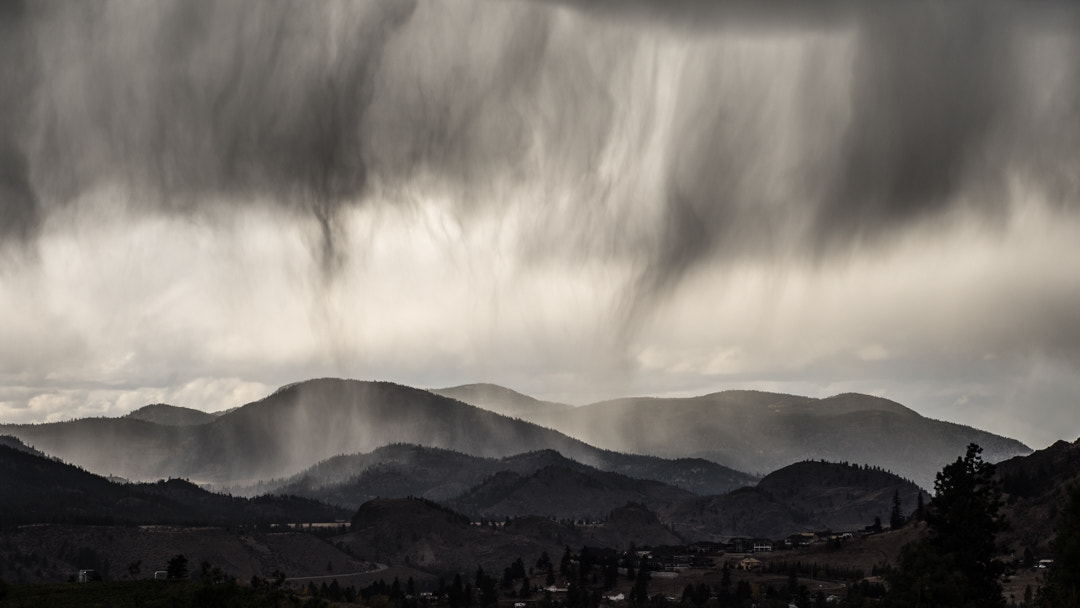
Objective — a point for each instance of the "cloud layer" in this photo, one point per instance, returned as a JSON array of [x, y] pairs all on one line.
[[579, 201]]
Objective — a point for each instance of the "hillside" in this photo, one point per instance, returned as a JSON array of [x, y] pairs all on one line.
[[1034, 489], [14, 443], [171, 415], [564, 492], [126, 447], [424, 535], [803, 497], [501, 400], [762, 432], [401, 470], [44, 490]]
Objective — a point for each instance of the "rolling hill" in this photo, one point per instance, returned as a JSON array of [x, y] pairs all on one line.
[[401, 470], [1035, 488], [430, 537], [38, 490], [563, 492], [803, 497]]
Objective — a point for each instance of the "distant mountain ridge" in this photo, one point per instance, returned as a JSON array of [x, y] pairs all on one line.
[[760, 432], [675, 440], [308, 422], [501, 400]]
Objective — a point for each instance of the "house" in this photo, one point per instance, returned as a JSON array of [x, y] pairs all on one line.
[[85, 576], [762, 544], [800, 540], [618, 597], [740, 545], [749, 563]]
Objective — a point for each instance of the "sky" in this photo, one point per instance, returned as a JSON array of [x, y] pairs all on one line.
[[202, 201]]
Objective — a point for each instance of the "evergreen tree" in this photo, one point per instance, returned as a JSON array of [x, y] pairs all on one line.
[[526, 589], [565, 563], [639, 593], [177, 567], [955, 565], [896, 518]]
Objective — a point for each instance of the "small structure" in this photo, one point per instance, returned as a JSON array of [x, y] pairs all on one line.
[[749, 563], [85, 576], [161, 574], [762, 544], [800, 540], [554, 589]]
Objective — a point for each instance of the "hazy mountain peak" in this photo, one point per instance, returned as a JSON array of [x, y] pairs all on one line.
[[500, 400], [171, 415]]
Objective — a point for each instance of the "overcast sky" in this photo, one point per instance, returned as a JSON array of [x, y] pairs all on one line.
[[201, 201]]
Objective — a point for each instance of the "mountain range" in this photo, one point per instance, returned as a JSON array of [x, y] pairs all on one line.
[[676, 441], [760, 432], [547, 501]]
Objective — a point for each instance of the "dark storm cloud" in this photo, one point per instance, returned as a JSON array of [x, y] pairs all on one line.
[[192, 101], [19, 213], [308, 104], [931, 83], [940, 100]]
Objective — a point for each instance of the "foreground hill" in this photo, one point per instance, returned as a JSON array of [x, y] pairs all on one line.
[[38, 490], [433, 538], [401, 470], [804, 497], [762, 432], [563, 491], [1035, 488]]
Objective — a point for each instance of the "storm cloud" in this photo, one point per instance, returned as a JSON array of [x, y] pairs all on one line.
[[558, 172]]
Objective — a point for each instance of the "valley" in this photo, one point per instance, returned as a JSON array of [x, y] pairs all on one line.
[[457, 487]]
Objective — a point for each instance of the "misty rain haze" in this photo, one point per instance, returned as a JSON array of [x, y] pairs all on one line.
[[202, 201]]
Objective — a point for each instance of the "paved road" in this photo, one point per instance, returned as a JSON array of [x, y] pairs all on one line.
[[378, 568]]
